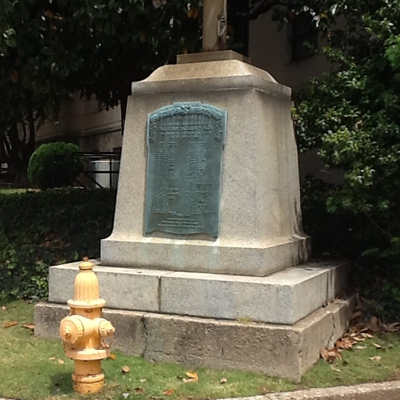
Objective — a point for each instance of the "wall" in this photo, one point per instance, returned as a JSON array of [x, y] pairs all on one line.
[[271, 50], [83, 122]]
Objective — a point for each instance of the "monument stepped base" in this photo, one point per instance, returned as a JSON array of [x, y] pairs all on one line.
[[285, 351], [275, 324], [284, 297]]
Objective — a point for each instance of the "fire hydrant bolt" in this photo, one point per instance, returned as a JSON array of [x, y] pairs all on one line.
[[83, 330]]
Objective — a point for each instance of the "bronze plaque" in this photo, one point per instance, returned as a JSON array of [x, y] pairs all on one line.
[[185, 142]]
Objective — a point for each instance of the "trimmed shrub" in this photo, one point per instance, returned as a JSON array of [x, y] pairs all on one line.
[[55, 165], [39, 229]]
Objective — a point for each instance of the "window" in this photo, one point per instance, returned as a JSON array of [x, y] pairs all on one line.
[[304, 38]]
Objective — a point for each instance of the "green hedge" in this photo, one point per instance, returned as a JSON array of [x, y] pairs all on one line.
[[39, 229]]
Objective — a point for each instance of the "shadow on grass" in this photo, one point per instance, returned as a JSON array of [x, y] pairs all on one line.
[[61, 383]]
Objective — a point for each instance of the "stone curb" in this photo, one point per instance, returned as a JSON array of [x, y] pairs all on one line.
[[368, 391]]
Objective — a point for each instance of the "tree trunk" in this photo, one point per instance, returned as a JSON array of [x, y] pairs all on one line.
[[17, 147]]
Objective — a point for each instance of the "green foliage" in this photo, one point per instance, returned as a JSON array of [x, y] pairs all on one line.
[[352, 114], [51, 49], [332, 234], [55, 165], [39, 229]]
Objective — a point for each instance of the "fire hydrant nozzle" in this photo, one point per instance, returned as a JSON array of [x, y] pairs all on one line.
[[84, 330]]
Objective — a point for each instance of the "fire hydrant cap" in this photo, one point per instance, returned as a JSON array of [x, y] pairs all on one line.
[[86, 265], [71, 329]]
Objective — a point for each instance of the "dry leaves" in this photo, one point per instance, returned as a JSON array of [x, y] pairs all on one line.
[[393, 327], [360, 330], [336, 369], [378, 346], [192, 377], [345, 343], [58, 360], [223, 381], [330, 355], [359, 347], [29, 326], [112, 356], [125, 369], [168, 392], [139, 390], [376, 358], [9, 324]]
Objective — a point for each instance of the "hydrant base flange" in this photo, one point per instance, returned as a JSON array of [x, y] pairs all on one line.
[[85, 384]]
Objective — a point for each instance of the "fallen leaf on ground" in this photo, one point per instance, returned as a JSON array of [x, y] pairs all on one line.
[[168, 392], [330, 355], [376, 358], [126, 395], [374, 324], [113, 385], [142, 380], [139, 390], [192, 377], [125, 369], [378, 346], [223, 380], [356, 314], [366, 335], [61, 361], [112, 356], [29, 326], [52, 358], [359, 347], [345, 343], [393, 327], [336, 369], [9, 324]]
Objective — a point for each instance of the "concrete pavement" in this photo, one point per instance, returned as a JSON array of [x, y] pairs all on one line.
[[368, 391]]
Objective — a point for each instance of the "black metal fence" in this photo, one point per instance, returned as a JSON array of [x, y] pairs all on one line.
[[100, 170]]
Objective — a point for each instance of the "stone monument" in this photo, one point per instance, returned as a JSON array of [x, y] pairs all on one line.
[[207, 263]]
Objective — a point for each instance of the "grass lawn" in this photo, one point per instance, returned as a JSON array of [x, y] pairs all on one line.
[[33, 368], [12, 190]]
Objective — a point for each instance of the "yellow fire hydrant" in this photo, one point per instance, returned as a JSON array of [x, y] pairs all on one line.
[[84, 332]]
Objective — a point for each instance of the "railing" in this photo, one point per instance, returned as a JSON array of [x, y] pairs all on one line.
[[6, 175], [100, 170]]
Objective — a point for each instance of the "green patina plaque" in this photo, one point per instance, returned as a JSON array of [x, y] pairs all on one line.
[[185, 143]]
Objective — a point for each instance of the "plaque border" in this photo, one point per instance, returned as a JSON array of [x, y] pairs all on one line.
[[184, 108]]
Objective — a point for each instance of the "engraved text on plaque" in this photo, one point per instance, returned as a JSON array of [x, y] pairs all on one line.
[[185, 142]]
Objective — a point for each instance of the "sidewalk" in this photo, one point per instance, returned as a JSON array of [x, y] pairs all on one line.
[[368, 391]]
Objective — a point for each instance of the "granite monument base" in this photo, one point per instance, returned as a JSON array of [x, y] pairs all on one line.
[[275, 324], [285, 351]]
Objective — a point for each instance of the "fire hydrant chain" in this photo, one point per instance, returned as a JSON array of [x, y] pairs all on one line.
[[87, 337]]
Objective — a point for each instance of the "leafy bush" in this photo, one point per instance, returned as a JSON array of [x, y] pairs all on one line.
[[333, 234], [39, 229], [352, 116], [55, 165]]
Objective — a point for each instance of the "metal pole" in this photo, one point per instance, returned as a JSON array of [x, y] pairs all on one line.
[[214, 25]]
